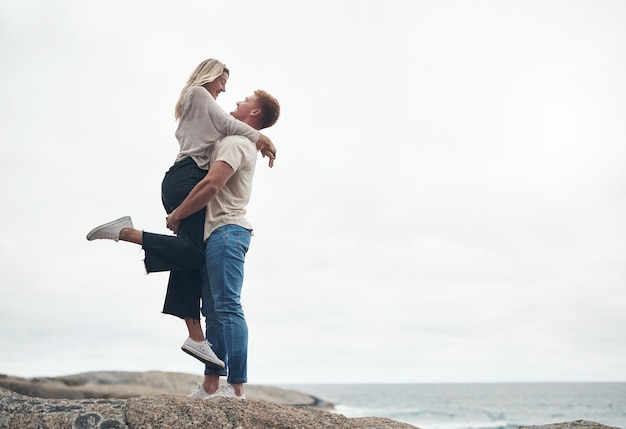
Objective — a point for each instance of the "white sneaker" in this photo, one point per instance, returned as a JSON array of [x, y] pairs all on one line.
[[199, 393], [202, 351], [227, 391], [111, 230]]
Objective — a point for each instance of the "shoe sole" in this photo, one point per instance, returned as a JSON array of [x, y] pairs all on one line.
[[211, 362], [241, 398], [106, 225]]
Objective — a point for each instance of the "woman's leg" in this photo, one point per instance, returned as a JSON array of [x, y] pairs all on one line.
[[131, 235], [185, 251], [183, 291], [182, 255]]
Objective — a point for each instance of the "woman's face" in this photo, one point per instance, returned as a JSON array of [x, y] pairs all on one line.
[[217, 86]]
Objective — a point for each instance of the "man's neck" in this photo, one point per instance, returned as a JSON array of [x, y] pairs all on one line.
[[252, 123]]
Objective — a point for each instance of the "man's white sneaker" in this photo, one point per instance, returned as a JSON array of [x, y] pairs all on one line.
[[111, 230], [227, 391], [202, 351], [199, 393]]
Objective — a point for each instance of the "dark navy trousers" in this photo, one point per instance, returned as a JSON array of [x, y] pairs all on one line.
[[183, 254]]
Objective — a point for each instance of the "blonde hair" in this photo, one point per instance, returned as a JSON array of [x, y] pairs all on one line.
[[207, 71], [270, 109]]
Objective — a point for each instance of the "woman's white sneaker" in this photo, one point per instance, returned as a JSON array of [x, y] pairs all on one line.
[[111, 230], [202, 351]]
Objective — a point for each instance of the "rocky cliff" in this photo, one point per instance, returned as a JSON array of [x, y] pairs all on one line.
[[176, 412], [124, 385], [171, 412], [155, 400]]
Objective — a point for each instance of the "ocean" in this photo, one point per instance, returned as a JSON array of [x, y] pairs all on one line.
[[477, 406]]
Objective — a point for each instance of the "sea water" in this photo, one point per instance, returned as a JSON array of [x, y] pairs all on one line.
[[476, 406]]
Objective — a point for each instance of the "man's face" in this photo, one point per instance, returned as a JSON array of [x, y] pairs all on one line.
[[245, 107]]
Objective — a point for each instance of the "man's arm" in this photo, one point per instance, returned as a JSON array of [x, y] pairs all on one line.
[[201, 194]]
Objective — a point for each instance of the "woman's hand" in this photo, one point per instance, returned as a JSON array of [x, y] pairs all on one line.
[[267, 148]]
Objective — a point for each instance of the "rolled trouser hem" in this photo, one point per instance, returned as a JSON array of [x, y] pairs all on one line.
[[237, 380], [213, 371]]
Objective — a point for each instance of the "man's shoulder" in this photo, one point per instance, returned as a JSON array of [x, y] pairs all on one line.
[[236, 140], [237, 151], [233, 145]]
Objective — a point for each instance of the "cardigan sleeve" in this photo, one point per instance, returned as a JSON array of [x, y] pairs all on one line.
[[226, 124]]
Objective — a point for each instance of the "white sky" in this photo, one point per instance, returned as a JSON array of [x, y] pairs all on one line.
[[448, 204]]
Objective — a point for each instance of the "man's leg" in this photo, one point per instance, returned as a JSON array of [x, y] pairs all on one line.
[[211, 383], [225, 255]]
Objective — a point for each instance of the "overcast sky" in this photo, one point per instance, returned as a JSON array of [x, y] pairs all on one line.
[[448, 202]]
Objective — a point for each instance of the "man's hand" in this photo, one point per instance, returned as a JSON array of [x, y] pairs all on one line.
[[267, 148], [172, 222], [219, 173]]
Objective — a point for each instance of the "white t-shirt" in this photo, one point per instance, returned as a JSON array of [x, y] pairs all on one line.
[[202, 123], [228, 207]]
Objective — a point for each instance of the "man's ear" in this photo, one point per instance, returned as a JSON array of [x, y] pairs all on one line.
[[255, 112]]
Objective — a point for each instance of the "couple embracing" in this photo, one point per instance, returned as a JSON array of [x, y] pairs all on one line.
[[205, 194]]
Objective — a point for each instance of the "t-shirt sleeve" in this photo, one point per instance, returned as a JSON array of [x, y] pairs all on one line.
[[233, 151]]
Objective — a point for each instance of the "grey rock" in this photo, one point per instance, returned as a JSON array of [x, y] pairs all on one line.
[[124, 385], [18, 411], [171, 411], [576, 424], [154, 400]]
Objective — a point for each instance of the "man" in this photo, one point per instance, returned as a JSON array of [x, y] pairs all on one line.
[[225, 191]]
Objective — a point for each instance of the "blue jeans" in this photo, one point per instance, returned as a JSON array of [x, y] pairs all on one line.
[[226, 327]]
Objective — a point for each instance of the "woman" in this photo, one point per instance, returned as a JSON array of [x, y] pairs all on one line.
[[201, 123]]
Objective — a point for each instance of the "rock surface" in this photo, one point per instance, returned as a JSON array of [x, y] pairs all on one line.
[[577, 424], [124, 385], [171, 411], [177, 412], [154, 400]]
